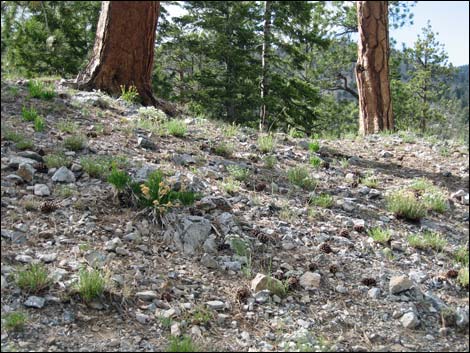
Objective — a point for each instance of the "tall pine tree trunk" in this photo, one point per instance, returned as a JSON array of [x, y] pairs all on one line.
[[124, 49], [263, 116], [372, 72]]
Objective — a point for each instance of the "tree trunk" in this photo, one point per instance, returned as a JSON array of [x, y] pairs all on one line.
[[124, 49], [372, 73], [263, 115]]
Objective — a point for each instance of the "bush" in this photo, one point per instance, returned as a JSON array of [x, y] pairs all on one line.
[[463, 277], [224, 149], [95, 167], [435, 201], [130, 94], [269, 161], [314, 146], [33, 279], [39, 124], [119, 179], [405, 205], [239, 173], [181, 344], [316, 162], [29, 114], [57, 160], [427, 240]]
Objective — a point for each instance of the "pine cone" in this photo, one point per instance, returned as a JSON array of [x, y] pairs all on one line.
[[370, 282], [41, 168], [326, 248], [452, 274], [333, 269], [260, 186], [344, 233], [312, 266], [48, 207], [293, 282], [359, 228], [242, 294]]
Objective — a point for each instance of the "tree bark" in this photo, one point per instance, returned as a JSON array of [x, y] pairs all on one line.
[[263, 115], [372, 71], [124, 49]]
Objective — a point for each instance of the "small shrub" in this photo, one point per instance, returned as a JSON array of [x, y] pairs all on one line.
[[380, 235], [64, 191], [287, 214], [130, 94], [119, 179], [39, 124], [422, 184], [405, 205], [201, 316], [240, 247], [152, 114], [37, 89], [166, 322], [68, 126], [14, 321], [56, 160], [344, 163], [75, 142], [427, 240], [230, 185], [294, 133], [461, 256], [370, 181], [416, 241], [230, 130], [316, 162], [463, 276], [224, 149], [267, 143], [91, 284], [444, 152], [181, 344], [176, 128], [95, 167], [436, 201], [29, 114], [322, 200], [314, 146], [239, 173], [300, 176], [270, 161], [10, 135], [24, 145], [33, 279]]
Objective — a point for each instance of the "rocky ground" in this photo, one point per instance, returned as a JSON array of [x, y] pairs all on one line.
[[202, 273]]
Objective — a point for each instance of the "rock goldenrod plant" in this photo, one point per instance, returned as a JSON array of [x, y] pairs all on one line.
[[129, 94]]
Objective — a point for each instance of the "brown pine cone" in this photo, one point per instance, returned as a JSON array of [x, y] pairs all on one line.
[[242, 294], [293, 282], [48, 207], [370, 282], [452, 274], [326, 248], [344, 233]]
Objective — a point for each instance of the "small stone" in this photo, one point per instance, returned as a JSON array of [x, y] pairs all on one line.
[[112, 244], [385, 154], [444, 331], [76, 167], [216, 304], [341, 289], [399, 284], [63, 175], [24, 258], [142, 318], [4, 283], [462, 317], [30, 154], [35, 302], [26, 171], [41, 190], [310, 280], [122, 251], [233, 266], [262, 281], [15, 161], [47, 258], [170, 313], [409, 320], [196, 331], [262, 296], [147, 295], [374, 293], [146, 143], [209, 261]]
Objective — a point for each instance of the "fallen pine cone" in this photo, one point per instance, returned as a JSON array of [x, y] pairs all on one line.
[[370, 282]]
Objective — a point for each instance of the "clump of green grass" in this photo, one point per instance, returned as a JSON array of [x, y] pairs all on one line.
[[33, 279], [239, 173], [230, 185], [269, 161], [230, 130], [266, 143], [314, 146], [300, 176], [24, 145], [427, 240], [444, 152], [344, 163], [119, 179], [224, 149], [68, 126], [240, 247], [370, 180], [380, 235], [75, 142], [461, 256], [462, 278], [176, 128], [130, 94], [316, 162], [294, 133], [64, 191], [435, 201], [405, 205], [94, 166], [201, 316], [11, 135], [37, 89], [56, 160], [29, 114], [322, 200], [39, 124], [422, 185], [14, 321], [181, 344], [287, 214], [151, 114], [91, 284], [166, 322]]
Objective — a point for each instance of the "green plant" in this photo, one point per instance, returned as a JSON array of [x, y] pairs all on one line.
[[33, 279], [176, 128], [64, 191], [14, 321], [130, 94], [230, 130], [322, 200], [416, 241], [294, 133], [239, 173], [422, 185], [230, 185], [369, 180], [181, 344], [39, 124], [269, 161], [427, 240], [166, 322], [461, 256], [435, 201], [29, 114], [344, 163], [300, 176], [240, 247], [201, 316], [37, 89], [10, 135], [266, 143], [444, 152], [314, 146], [287, 214], [405, 205], [56, 160], [380, 235], [224, 149], [119, 179], [91, 284], [67, 126], [463, 276], [75, 142], [24, 145], [316, 162], [94, 166], [151, 114]]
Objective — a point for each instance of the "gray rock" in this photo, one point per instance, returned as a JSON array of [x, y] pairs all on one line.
[[262, 297], [47, 258], [63, 175], [209, 261], [374, 194], [410, 320], [210, 203], [41, 190], [399, 284], [24, 258], [35, 302], [112, 244], [226, 222], [385, 154], [310, 280], [147, 295], [143, 173], [233, 266], [15, 161], [216, 304], [261, 282], [341, 289], [191, 233], [30, 155], [183, 159], [462, 317], [175, 330], [122, 251], [210, 246], [14, 236], [15, 178], [26, 171], [142, 318], [96, 258], [4, 283], [374, 293]]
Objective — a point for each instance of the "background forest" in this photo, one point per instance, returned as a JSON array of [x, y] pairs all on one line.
[[209, 60]]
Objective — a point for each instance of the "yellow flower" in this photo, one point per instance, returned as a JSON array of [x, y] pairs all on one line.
[[145, 189]]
